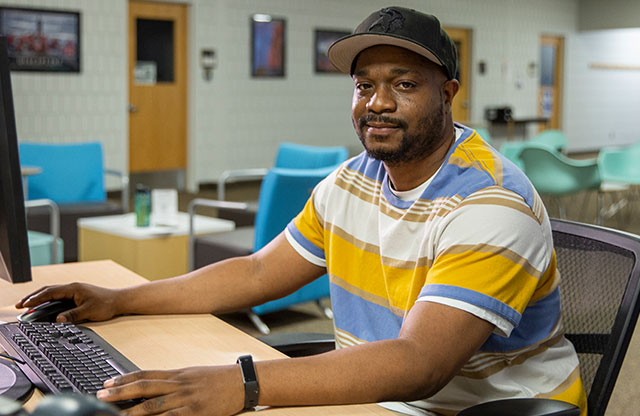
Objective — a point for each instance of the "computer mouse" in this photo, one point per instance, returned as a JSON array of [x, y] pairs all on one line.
[[70, 404], [47, 311]]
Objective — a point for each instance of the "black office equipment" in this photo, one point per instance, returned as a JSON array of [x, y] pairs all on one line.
[[63, 357], [47, 311], [13, 383], [15, 265], [600, 285]]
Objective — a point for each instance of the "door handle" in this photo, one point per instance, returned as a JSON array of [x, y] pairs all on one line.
[[133, 108]]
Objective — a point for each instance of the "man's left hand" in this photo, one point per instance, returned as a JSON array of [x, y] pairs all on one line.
[[187, 391]]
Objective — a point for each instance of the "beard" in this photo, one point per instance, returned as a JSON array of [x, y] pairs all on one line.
[[412, 147]]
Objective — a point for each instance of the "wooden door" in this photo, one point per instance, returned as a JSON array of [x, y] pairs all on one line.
[[462, 39], [549, 91], [157, 87]]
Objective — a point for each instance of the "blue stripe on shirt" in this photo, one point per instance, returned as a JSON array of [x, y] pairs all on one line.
[[475, 298], [361, 318], [538, 320], [302, 240]]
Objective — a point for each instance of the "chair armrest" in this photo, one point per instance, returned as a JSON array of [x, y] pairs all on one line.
[[234, 175], [300, 344], [124, 187], [54, 222], [211, 203], [522, 407]]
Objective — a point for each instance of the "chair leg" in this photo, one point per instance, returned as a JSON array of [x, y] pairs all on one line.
[[258, 323], [325, 309]]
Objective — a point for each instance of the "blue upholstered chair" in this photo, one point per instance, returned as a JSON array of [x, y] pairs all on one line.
[[73, 176], [289, 155], [283, 194]]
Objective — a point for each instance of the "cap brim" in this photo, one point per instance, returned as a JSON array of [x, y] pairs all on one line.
[[344, 51]]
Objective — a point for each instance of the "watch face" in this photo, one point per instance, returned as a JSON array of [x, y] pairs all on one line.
[[248, 371], [250, 380]]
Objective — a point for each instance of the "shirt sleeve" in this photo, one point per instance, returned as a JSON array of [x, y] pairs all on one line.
[[306, 232], [492, 253]]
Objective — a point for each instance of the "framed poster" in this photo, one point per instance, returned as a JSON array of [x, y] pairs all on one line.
[[267, 46], [322, 40], [41, 40]]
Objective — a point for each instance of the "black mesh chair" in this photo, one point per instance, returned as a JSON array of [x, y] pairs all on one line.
[[600, 279]]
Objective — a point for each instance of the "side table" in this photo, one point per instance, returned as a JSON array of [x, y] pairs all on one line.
[[155, 252]]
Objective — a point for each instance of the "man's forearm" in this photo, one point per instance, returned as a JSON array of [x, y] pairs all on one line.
[[380, 371], [225, 286], [219, 287]]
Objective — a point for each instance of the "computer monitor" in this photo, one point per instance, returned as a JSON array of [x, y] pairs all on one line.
[[15, 265]]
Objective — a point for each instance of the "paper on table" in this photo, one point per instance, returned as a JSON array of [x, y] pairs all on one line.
[[164, 207]]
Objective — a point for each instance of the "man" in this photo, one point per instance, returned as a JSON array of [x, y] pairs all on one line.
[[439, 251]]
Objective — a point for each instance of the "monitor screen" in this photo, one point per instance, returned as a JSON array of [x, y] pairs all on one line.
[[15, 265]]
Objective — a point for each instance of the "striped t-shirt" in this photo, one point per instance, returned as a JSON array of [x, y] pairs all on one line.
[[478, 239]]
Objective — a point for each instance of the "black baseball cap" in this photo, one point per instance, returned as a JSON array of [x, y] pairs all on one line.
[[397, 26]]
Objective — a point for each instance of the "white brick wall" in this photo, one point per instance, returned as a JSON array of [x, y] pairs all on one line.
[[86, 106], [236, 121], [602, 105]]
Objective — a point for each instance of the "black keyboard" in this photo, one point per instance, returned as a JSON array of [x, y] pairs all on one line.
[[63, 357]]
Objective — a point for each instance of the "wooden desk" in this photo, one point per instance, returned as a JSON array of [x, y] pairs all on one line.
[[161, 342]]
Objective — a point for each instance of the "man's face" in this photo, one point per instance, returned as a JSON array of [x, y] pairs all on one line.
[[398, 107]]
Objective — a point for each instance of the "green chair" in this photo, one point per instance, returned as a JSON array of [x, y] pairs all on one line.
[[620, 171], [553, 138], [511, 150], [484, 133], [556, 175], [620, 165]]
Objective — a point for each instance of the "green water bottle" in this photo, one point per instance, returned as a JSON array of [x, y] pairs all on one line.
[[142, 205]]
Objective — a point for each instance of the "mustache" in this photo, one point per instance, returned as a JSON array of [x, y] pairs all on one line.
[[362, 121]]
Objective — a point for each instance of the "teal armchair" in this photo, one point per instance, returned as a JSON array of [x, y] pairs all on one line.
[[556, 175]]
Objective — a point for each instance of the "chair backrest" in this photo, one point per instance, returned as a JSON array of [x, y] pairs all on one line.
[[620, 164], [300, 156], [600, 282], [553, 138], [511, 150], [70, 172], [555, 174], [283, 194]]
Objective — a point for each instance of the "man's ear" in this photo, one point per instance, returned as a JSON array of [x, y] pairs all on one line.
[[450, 89]]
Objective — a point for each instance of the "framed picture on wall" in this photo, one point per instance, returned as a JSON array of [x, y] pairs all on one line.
[[41, 40], [267, 46], [323, 38]]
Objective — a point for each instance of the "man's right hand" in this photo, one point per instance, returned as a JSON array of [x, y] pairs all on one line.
[[93, 303]]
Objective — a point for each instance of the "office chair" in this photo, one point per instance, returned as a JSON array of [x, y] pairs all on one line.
[[553, 138], [45, 248], [73, 177], [620, 172], [283, 194], [511, 150], [289, 155], [556, 175], [600, 284]]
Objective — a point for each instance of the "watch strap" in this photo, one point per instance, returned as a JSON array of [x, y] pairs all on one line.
[[250, 381]]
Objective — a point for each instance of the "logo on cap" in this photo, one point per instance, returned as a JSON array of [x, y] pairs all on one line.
[[390, 20]]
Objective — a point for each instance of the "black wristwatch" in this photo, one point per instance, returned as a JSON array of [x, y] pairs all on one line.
[[250, 381]]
